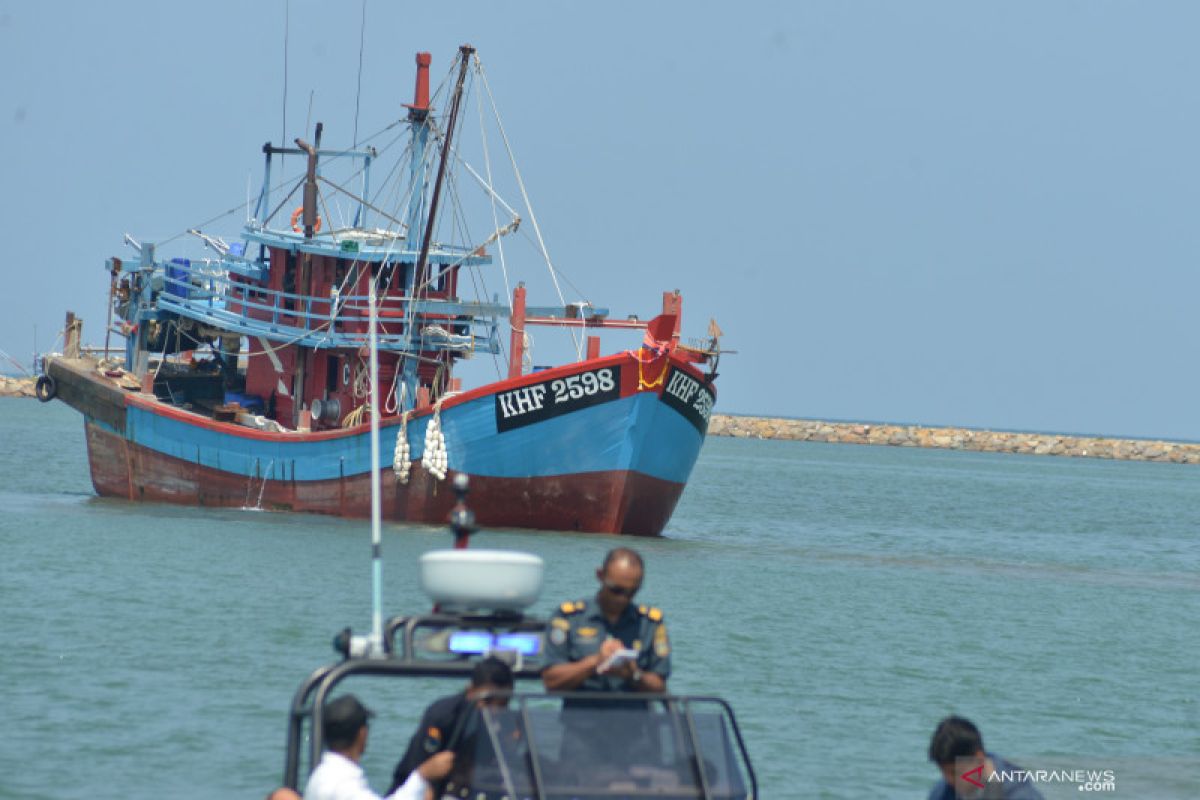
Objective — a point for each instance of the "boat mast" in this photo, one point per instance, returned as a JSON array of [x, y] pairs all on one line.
[[466, 51], [310, 182], [418, 117], [304, 284], [418, 114]]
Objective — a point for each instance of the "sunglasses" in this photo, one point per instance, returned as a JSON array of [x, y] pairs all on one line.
[[621, 591]]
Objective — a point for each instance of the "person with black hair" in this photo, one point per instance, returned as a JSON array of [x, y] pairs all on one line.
[[338, 776], [448, 724], [584, 636], [969, 771]]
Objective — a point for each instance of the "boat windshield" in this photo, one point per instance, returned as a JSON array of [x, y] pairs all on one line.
[[583, 747]]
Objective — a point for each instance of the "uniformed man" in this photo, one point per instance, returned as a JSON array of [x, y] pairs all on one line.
[[583, 634], [449, 725]]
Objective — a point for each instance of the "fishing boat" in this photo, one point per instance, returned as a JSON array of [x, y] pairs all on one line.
[[243, 377]]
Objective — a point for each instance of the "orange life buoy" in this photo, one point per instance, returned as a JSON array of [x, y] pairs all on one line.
[[297, 227]]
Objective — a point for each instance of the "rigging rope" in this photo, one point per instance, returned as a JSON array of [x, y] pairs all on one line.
[[525, 196], [287, 15], [299, 177], [487, 164], [354, 418]]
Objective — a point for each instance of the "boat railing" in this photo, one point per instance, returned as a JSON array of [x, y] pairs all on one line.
[[674, 746], [220, 299], [375, 246], [229, 293], [559, 745]]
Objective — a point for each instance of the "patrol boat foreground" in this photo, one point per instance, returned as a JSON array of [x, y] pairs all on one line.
[[242, 381], [570, 746]]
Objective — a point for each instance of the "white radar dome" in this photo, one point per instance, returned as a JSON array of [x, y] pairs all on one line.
[[495, 580]]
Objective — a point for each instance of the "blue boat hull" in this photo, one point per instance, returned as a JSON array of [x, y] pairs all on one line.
[[613, 462]]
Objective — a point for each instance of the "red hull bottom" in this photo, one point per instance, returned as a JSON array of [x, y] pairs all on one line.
[[599, 502]]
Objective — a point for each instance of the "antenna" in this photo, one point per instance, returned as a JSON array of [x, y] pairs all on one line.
[[362, 40], [371, 645], [287, 9], [376, 640]]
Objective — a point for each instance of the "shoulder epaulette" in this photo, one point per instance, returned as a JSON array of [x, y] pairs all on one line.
[[570, 607], [651, 613]]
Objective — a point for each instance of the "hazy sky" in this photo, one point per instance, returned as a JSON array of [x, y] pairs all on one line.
[[939, 212]]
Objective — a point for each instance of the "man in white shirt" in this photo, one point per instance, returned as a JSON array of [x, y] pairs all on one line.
[[339, 777]]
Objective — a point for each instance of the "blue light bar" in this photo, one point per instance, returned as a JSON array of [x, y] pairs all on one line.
[[527, 644], [479, 642], [470, 642]]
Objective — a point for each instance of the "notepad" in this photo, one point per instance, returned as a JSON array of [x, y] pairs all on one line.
[[617, 658]]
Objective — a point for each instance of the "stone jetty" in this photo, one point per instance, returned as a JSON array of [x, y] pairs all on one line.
[[16, 387], [1049, 444]]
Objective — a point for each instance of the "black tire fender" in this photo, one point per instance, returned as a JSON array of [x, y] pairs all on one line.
[[46, 388]]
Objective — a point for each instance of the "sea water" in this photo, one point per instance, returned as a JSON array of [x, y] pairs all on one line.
[[842, 598]]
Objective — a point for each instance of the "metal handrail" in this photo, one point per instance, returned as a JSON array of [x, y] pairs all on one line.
[[243, 295], [228, 301], [309, 702]]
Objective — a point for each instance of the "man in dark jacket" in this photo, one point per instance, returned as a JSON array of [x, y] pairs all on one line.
[[969, 771], [449, 722]]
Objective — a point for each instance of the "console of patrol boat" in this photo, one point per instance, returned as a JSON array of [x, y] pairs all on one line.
[[549, 746]]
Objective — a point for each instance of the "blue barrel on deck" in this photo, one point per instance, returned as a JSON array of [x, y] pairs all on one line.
[[179, 276], [250, 402]]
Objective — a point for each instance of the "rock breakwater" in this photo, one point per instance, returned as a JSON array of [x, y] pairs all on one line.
[[16, 387], [807, 430]]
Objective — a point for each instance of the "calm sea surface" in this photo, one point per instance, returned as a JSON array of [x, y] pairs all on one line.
[[842, 598]]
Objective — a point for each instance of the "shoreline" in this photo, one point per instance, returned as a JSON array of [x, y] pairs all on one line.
[[954, 438], [890, 435]]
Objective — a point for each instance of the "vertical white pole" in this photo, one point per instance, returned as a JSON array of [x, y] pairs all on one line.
[[376, 535]]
